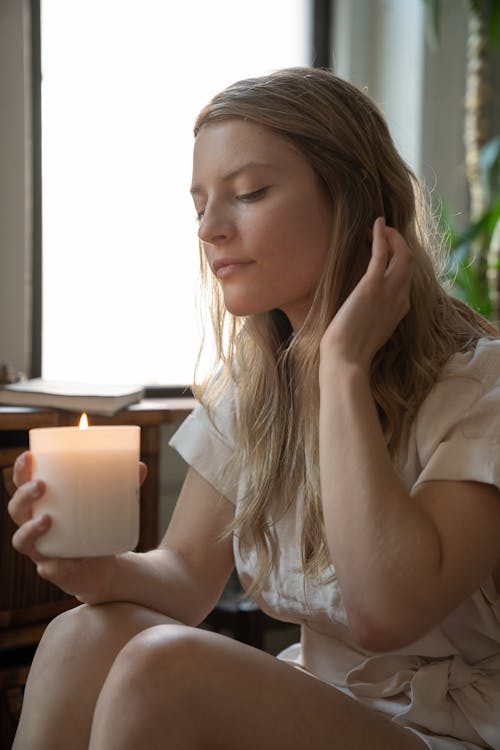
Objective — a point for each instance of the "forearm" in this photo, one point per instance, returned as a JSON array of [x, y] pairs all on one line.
[[385, 549], [161, 580]]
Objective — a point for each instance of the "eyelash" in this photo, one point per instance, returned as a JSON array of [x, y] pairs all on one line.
[[253, 196], [245, 198]]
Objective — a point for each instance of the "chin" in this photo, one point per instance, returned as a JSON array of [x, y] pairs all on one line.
[[243, 313], [241, 310]]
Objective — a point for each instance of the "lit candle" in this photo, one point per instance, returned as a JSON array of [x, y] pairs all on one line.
[[92, 478]]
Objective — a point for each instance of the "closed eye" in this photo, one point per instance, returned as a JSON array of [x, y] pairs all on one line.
[[254, 196]]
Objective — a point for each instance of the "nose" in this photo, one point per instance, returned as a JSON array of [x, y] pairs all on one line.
[[215, 226]]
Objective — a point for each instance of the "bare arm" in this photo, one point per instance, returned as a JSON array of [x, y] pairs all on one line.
[[183, 578], [402, 562]]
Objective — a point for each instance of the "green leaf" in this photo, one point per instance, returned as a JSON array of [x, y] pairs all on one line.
[[472, 232], [469, 287], [432, 22], [489, 167], [494, 23]]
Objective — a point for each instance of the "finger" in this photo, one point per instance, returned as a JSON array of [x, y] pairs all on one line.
[[381, 251], [401, 260], [57, 569], [143, 472], [399, 271], [23, 467], [25, 538], [20, 507], [397, 243]]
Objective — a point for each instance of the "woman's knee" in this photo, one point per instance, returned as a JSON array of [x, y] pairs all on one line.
[[163, 647], [89, 630], [150, 692], [165, 660], [64, 629], [82, 623]]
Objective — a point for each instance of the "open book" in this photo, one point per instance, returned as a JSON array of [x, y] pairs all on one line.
[[78, 397]]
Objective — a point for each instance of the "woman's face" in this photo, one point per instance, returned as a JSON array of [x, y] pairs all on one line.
[[264, 220]]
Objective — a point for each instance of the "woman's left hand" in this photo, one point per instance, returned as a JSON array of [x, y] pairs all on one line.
[[376, 305]]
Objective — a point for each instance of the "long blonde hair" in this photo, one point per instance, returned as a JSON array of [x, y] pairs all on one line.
[[345, 139]]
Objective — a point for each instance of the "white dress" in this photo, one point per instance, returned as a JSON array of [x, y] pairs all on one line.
[[445, 687]]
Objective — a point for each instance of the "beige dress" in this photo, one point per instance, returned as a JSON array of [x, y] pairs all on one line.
[[445, 687]]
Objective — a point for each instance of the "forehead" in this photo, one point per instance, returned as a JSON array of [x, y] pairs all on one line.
[[220, 147]]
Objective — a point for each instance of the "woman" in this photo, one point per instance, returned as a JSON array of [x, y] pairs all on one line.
[[344, 456]]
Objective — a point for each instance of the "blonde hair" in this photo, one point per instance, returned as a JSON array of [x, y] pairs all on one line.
[[345, 139]]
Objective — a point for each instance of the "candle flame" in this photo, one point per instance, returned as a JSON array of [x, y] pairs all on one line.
[[84, 422]]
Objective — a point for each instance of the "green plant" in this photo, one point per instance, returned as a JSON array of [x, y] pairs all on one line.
[[474, 261], [473, 265]]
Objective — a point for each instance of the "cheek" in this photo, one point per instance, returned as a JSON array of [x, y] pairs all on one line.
[[294, 237], [306, 238]]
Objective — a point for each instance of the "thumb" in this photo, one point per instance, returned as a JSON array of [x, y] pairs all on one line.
[[143, 472]]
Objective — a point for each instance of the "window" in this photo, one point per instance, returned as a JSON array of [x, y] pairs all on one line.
[[122, 82]]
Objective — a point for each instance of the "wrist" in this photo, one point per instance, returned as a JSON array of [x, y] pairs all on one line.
[[105, 570], [342, 372], [117, 577]]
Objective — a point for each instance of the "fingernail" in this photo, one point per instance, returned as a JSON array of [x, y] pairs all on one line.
[[36, 490], [43, 522]]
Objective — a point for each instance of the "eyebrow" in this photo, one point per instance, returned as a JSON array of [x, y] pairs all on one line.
[[196, 189]]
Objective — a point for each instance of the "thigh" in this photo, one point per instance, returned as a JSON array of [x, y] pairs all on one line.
[[183, 688], [88, 638], [70, 666]]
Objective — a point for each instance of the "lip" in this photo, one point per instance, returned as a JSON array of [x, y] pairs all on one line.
[[224, 267]]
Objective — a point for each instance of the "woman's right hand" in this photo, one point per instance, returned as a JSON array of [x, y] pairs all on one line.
[[374, 308], [86, 578]]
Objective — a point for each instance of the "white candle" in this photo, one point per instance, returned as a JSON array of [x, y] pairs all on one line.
[[92, 478]]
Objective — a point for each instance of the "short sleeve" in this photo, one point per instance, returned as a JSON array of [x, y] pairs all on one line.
[[207, 445], [458, 424]]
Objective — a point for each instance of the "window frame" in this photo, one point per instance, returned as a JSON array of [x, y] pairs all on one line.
[[320, 56]]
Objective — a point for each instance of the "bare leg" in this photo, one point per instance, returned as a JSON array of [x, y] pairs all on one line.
[[177, 688], [69, 668]]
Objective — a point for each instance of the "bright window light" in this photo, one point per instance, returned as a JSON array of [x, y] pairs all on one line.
[[122, 81]]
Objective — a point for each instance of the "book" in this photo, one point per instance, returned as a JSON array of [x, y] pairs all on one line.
[[105, 400]]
